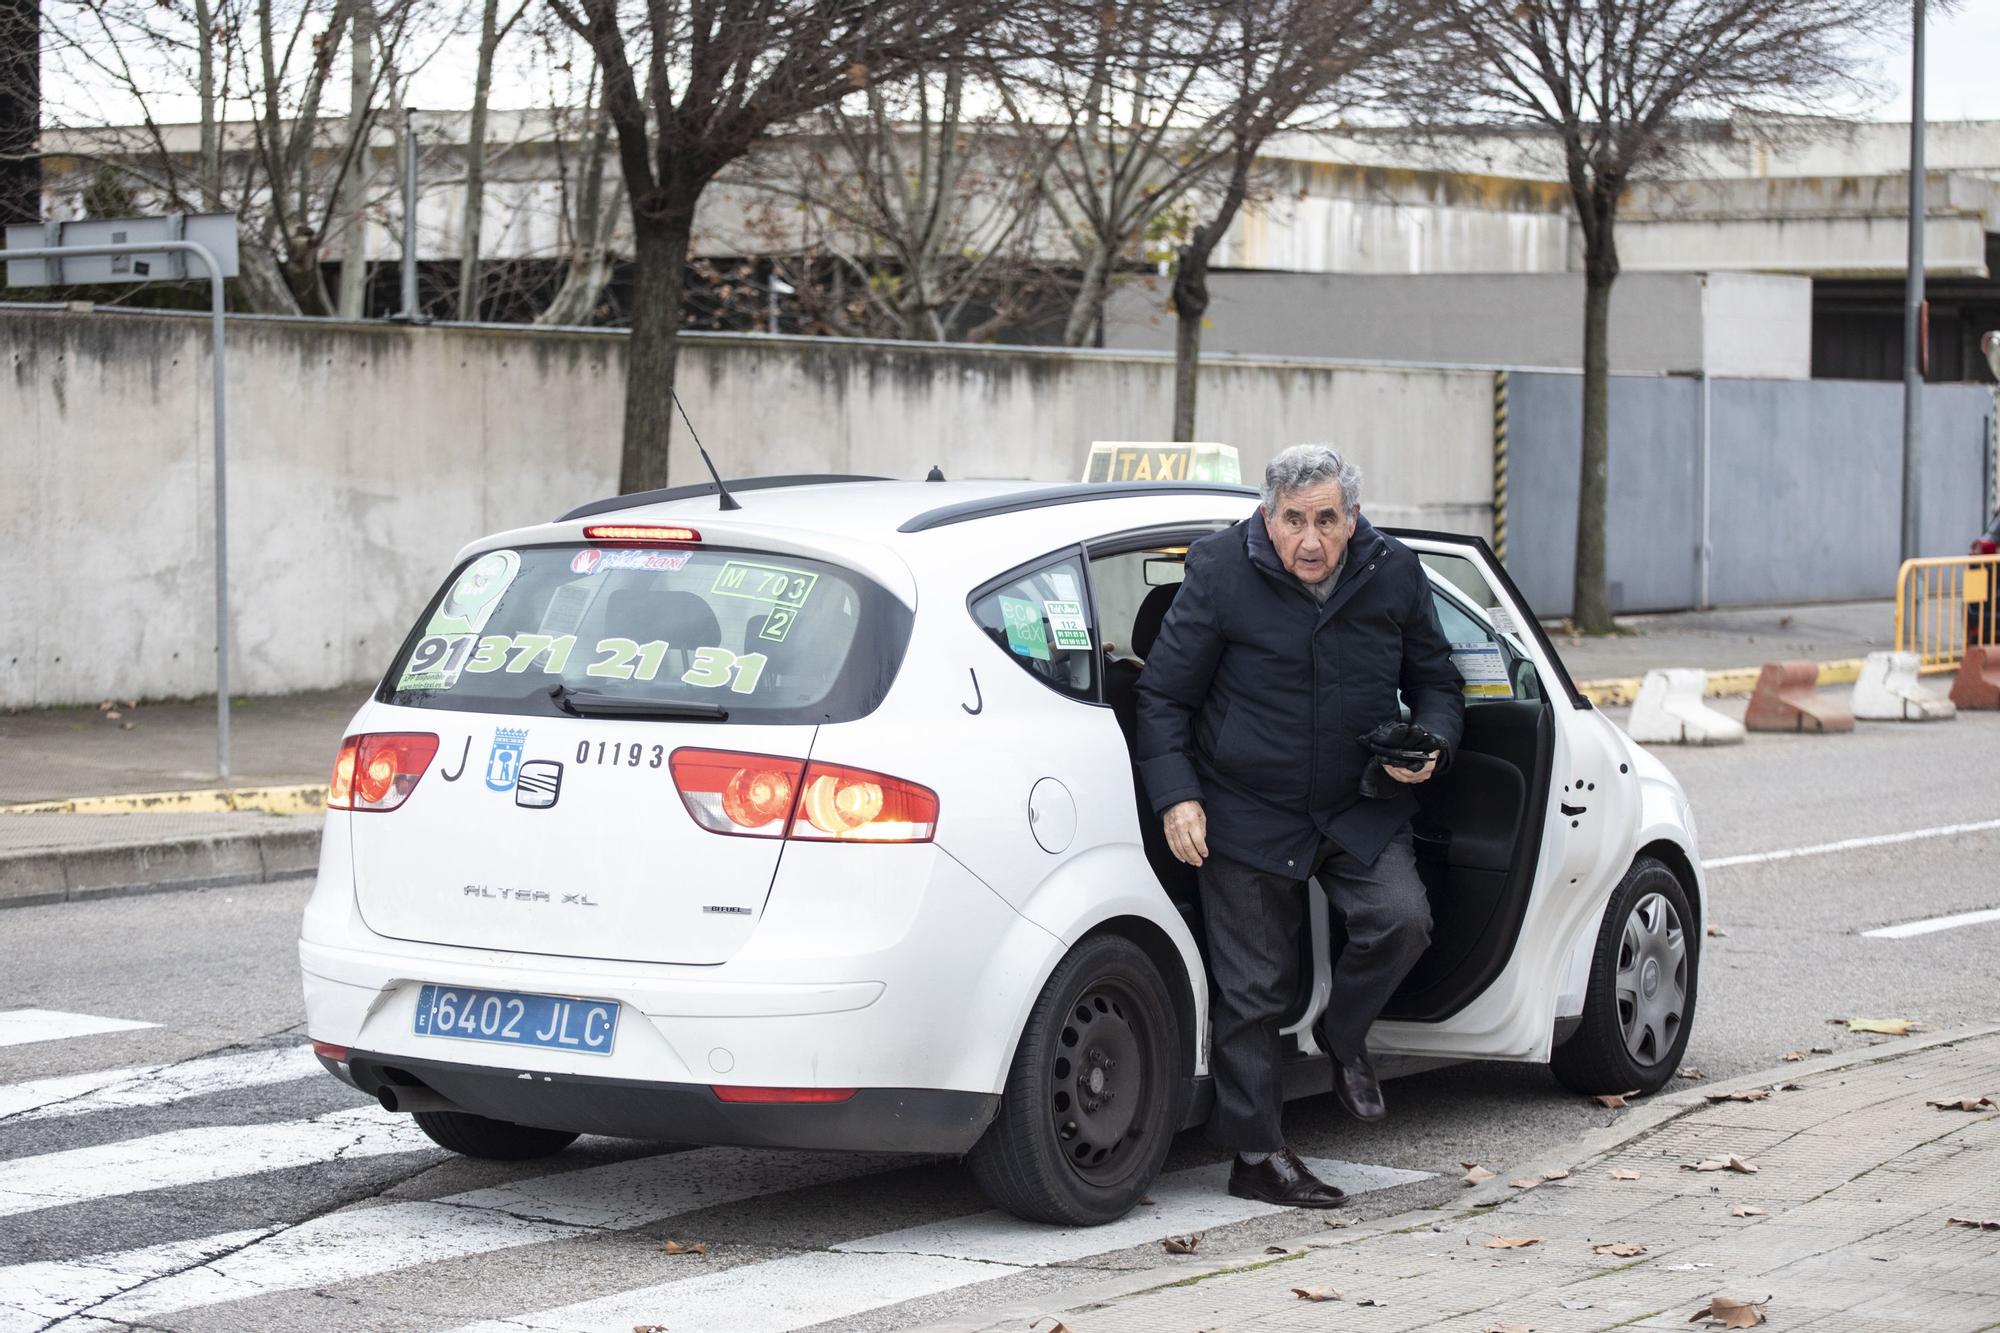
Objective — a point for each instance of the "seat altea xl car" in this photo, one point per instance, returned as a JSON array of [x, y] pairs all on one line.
[[812, 824]]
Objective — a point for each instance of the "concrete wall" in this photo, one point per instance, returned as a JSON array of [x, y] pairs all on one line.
[[1805, 498], [1738, 324], [362, 457]]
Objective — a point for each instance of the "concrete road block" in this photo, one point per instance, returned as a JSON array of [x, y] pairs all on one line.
[[1670, 710], [1887, 691], [1978, 683], [1786, 700]]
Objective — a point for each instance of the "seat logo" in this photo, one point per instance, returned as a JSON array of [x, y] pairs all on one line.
[[503, 764], [539, 784]]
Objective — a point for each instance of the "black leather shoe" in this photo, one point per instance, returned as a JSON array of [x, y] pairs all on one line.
[[1284, 1180], [1360, 1092]]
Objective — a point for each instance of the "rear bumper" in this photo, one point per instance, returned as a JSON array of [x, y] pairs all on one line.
[[912, 1120]]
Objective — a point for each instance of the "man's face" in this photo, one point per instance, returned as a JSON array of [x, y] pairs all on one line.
[[1310, 530]]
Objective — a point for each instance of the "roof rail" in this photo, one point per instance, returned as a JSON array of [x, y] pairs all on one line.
[[1074, 493], [695, 492]]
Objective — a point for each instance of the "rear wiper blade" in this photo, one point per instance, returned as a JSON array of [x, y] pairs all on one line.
[[585, 703]]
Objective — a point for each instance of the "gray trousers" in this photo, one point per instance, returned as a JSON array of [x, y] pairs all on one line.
[[1254, 920]]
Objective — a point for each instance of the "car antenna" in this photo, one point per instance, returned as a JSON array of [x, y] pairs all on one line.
[[728, 500]]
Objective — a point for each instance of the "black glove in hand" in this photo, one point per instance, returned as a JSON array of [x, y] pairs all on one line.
[[1404, 744]]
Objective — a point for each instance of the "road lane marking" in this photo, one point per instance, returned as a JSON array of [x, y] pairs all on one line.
[[367, 1242], [1930, 925], [199, 1156], [1852, 844], [855, 1276], [20, 1026], [153, 1085]]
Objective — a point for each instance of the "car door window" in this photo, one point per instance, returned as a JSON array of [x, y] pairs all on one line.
[[1041, 619], [1480, 632]]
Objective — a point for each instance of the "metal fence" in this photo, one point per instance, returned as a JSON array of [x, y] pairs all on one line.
[[1946, 604]]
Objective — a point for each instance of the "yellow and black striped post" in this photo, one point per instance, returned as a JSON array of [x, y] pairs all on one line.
[[1500, 464]]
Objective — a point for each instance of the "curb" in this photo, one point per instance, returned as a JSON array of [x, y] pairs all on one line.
[[1726, 682], [1638, 1122], [299, 799], [39, 879]]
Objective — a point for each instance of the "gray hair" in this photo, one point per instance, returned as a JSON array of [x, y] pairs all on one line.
[[1304, 465]]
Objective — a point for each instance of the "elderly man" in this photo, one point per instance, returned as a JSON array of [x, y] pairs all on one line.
[[1268, 723]]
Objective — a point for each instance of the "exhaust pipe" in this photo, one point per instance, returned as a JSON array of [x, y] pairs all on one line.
[[406, 1100]]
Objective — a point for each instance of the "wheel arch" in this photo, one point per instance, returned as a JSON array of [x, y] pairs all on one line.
[[1675, 857], [1173, 970]]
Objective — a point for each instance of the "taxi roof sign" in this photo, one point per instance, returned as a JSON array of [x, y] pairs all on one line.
[[1161, 460]]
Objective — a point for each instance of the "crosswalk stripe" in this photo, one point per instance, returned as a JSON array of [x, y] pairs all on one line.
[[366, 1242], [33, 1294], [801, 1290], [195, 1156], [20, 1026], [153, 1085]]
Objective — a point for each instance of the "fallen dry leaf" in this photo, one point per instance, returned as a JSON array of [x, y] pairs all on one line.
[[1512, 1242], [1731, 1313], [1478, 1175], [649, 1328], [1466, 1166], [1888, 1027], [1745, 1095], [675, 1247], [1717, 932], [1612, 1101], [1181, 1244], [1316, 1293], [1524, 1183], [1976, 1223], [1689, 1071], [1820, 1050], [1730, 1163], [1509, 1328], [1619, 1249], [1276, 1249], [1337, 1223], [1145, 1201], [1557, 1174], [1746, 1210], [1620, 1173], [1964, 1104], [1792, 1057], [1055, 1325]]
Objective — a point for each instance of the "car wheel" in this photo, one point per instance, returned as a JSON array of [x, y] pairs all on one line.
[[495, 1140], [1639, 1006], [1093, 1097]]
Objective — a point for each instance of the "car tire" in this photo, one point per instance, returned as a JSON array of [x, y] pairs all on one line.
[[495, 1140], [1063, 1149], [1639, 1005]]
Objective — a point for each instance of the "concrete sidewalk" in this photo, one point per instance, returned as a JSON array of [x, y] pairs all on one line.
[[1735, 641], [1839, 1219]]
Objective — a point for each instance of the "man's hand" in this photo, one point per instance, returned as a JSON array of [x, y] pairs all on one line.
[[1411, 776], [1187, 832]]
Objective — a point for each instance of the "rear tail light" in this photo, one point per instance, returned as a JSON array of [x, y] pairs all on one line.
[[1986, 546], [337, 1054], [781, 1096], [764, 796], [379, 770]]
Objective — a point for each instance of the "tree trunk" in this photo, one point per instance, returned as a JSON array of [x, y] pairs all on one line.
[[1190, 307], [1088, 308], [1591, 602], [475, 165], [210, 170], [352, 226], [663, 237], [20, 110]]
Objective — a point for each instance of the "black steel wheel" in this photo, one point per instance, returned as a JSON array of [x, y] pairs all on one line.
[[1639, 1007], [1093, 1096]]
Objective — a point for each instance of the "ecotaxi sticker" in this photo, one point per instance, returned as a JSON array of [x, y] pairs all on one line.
[[1067, 625], [594, 561], [1023, 621], [1483, 669]]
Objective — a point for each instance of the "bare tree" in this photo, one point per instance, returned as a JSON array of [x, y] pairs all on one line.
[[1618, 83], [591, 207], [492, 31], [1119, 103], [1277, 60], [20, 110], [718, 74]]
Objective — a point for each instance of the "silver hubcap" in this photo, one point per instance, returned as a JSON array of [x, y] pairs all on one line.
[[1652, 979]]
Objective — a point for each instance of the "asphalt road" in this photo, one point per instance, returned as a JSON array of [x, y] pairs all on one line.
[[244, 1190]]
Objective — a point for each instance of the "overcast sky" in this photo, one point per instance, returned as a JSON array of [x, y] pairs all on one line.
[[1962, 67]]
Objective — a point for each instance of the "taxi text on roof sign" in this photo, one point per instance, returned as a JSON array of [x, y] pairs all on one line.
[[1149, 460]]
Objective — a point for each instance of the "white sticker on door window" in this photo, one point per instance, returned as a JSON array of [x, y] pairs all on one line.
[[1483, 668], [1066, 625]]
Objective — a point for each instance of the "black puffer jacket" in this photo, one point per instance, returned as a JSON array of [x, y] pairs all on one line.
[[1255, 698]]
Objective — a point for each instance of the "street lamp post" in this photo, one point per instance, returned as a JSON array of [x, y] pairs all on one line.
[[1915, 327]]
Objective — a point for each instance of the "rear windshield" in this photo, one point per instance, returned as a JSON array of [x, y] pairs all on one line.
[[768, 638]]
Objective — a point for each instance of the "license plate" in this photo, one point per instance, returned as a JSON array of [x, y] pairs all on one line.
[[511, 1018]]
